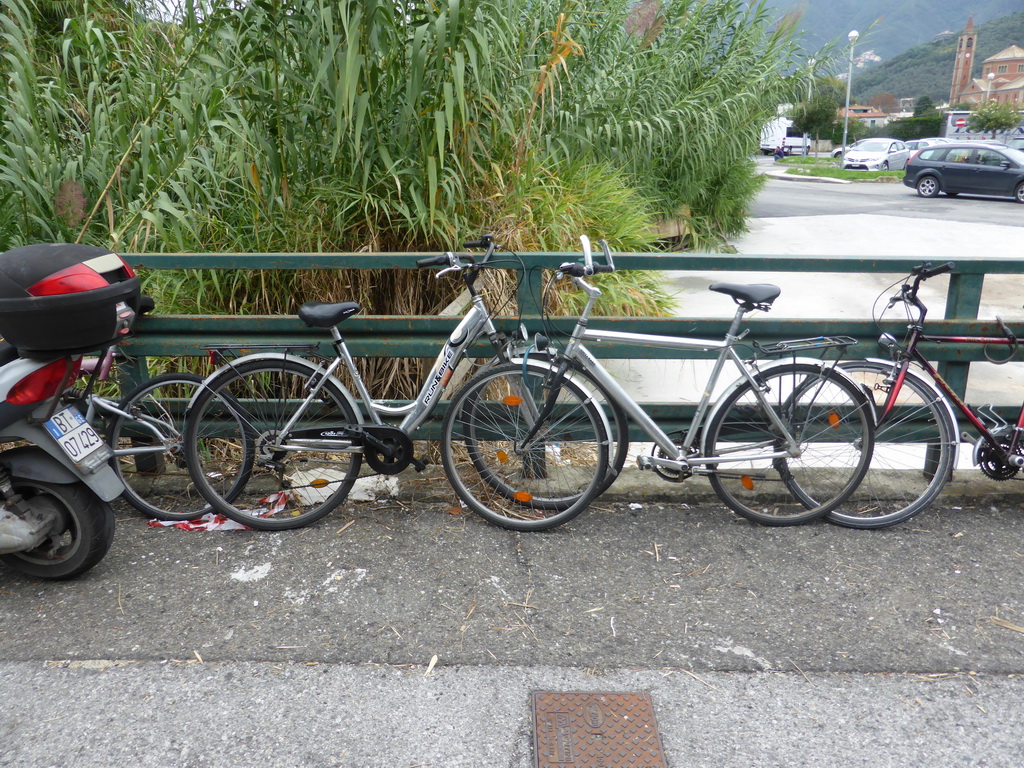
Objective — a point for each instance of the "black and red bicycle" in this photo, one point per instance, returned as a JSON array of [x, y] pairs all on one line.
[[917, 434]]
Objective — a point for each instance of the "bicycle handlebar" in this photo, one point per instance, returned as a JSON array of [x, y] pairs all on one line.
[[485, 241], [926, 270], [908, 292], [588, 267], [575, 269], [434, 261]]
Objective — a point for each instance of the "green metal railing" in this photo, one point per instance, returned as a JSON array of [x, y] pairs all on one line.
[[404, 336]]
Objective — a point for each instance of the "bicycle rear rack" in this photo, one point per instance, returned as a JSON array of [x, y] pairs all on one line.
[[805, 345]]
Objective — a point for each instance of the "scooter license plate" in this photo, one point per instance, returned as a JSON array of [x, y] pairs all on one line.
[[78, 439]]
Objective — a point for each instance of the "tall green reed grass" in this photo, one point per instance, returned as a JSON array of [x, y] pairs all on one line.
[[376, 125]]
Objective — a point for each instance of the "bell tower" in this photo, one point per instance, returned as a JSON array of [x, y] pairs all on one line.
[[964, 62]]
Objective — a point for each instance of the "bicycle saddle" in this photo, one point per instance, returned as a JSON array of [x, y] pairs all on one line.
[[755, 295], [319, 314]]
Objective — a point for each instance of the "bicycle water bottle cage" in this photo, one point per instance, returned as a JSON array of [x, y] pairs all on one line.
[[318, 314], [754, 296]]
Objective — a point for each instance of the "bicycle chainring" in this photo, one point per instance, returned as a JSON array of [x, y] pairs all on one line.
[[992, 464], [666, 473], [387, 450]]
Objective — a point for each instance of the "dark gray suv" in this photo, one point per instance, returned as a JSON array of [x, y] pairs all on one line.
[[971, 167]]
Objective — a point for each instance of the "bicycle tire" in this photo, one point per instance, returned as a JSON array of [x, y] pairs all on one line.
[[618, 421], [914, 453], [158, 484], [532, 490], [832, 420], [281, 489]]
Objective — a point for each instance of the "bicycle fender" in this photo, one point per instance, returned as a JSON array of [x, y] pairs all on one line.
[[278, 357], [925, 381]]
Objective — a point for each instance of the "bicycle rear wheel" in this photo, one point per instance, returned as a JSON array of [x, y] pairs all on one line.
[[914, 454], [157, 482], [529, 487], [293, 480], [829, 417]]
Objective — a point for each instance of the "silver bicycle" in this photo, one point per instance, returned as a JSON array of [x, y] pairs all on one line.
[[786, 443], [307, 434]]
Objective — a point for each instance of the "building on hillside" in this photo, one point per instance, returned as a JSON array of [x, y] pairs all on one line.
[[869, 116], [1001, 77]]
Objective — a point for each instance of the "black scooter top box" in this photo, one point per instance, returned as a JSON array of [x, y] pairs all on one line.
[[59, 299]]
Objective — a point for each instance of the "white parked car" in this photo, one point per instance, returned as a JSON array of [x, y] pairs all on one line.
[[915, 144], [838, 151], [876, 155]]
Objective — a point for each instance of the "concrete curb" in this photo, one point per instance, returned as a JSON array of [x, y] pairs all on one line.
[[813, 179], [634, 485]]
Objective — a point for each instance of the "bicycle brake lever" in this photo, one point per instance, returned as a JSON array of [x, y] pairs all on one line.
[[446, 270], [1010, 335]]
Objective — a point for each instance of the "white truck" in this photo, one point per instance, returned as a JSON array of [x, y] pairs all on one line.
[[781, 133]]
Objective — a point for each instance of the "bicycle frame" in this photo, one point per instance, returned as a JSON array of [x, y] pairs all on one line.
[[679, 454], [476, 322], [633, 409], [912, 354], [99, 369]]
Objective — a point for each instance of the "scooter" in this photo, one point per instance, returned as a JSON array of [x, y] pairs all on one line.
[[56, 483]]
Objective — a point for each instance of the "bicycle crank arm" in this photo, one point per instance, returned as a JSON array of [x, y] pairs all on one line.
[[649, 462]]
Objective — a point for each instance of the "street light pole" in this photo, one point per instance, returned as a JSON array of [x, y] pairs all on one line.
[[852, 37]]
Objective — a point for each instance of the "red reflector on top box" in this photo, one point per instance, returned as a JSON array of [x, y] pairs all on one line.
[[58, 299]]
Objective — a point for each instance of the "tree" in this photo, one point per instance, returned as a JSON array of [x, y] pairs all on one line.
[[993, 117], [816, 116], [923, 106], [884, 102]]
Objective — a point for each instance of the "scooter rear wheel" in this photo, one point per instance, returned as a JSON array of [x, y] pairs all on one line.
[[79, 538]]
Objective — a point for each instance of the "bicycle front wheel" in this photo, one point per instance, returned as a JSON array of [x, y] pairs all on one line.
[[533, 485], [295, 477], [914, 455], [149, 452], [759, 475]]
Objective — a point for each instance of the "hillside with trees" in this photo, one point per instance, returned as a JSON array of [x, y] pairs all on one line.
[[897, 24], [927, 70]]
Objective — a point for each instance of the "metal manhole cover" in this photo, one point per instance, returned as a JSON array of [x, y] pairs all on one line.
[[595, 730]]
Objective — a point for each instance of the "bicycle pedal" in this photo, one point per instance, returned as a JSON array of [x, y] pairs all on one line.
[[418, 464]]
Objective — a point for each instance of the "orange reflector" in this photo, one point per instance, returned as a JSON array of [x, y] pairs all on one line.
[[513, 400], [503, 457], [320, 483], [523, 496], [833, 419], [748, 482]]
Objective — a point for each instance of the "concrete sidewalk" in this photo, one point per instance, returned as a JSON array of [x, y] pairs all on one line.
[[398, 635]]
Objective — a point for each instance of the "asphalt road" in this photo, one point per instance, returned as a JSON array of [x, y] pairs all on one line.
[[400, 635], [783, 199], [790, 647]]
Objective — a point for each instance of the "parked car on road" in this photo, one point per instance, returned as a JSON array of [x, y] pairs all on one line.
[[915, 144], [876, 155], [838, 151], [972, 167]]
